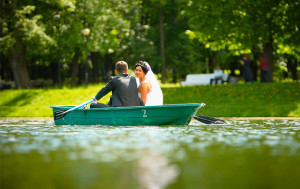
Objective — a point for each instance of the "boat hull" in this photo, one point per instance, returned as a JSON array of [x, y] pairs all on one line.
[[172, 114]]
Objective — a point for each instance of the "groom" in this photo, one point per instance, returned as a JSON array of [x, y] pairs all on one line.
[[123, 87]]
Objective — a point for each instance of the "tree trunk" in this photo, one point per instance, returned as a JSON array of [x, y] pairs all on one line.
[[108, 68], [256, 55], [254, 68], [174, 76], [268, 52], [95, 71], [75, 68], [292, 67], [18, 65], [162, 46], [210, 62]]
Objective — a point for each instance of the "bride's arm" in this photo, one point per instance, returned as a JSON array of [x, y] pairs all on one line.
[[144, 92]]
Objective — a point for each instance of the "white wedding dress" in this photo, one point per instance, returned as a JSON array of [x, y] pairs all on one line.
[[149, 101], [155, 97]]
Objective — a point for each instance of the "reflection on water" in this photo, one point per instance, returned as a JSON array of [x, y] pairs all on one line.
[[191, 156], [154, 171]]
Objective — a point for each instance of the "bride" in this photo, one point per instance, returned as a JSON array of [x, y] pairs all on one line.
[[148, 88]]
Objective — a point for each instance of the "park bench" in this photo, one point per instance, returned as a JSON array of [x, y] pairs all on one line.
[[41, 83], [202, 79], [34, 83]]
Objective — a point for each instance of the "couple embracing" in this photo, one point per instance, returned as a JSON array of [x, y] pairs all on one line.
[[129, 91]]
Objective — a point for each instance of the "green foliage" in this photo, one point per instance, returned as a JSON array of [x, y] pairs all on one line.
[[236, 25], [194, 31], [241, 100], [25, 20]]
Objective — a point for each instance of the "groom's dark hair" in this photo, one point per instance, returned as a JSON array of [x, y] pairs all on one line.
[[143, 66]]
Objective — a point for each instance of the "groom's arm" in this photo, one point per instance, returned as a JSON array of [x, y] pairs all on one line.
[[109, 87]]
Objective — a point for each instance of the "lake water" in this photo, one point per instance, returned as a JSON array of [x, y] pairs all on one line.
[[238, 154]]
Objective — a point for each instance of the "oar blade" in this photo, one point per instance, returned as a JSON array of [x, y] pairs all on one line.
[[209, 120], [60, 114]]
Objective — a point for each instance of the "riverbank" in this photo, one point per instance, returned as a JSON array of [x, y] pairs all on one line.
[[240, 100]]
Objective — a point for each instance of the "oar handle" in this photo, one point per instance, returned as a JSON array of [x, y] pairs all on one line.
[[79, 106], [61, 113]]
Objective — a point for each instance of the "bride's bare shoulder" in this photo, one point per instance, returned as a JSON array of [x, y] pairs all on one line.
[[146, 84]]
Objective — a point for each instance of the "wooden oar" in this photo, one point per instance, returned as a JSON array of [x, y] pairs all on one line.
[[208, 120], [61, 113]]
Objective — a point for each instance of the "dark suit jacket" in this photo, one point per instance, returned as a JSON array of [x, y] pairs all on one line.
[[124, 91]]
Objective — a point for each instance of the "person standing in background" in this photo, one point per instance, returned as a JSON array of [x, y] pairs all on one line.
[[264, 67], [247, 72]]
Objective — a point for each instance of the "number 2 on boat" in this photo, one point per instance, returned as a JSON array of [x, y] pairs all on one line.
[[145, 115]]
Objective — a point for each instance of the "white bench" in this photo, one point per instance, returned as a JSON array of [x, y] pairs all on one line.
[[201, 79]]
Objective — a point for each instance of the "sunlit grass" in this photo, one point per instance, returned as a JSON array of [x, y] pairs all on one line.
[[37, 102], [250, 100]]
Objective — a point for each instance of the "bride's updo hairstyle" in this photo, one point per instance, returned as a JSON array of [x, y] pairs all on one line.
[[143, 66]]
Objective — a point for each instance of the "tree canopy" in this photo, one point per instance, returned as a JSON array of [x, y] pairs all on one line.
[[175, 37]]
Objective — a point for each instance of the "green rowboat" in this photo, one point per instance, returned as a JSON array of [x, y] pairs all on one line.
[[172, 114]]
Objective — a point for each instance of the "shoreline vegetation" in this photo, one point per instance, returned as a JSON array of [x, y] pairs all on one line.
[[258, 100]]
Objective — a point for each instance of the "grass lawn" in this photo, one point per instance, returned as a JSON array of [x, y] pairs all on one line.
[[240, 100]]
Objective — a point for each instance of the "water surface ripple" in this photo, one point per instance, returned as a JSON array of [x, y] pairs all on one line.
[[172, 149]]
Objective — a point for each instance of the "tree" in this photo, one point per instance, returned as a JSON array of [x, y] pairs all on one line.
[[23, 33], [110, 23], [242, 25], [155, 10], [167, 26]]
